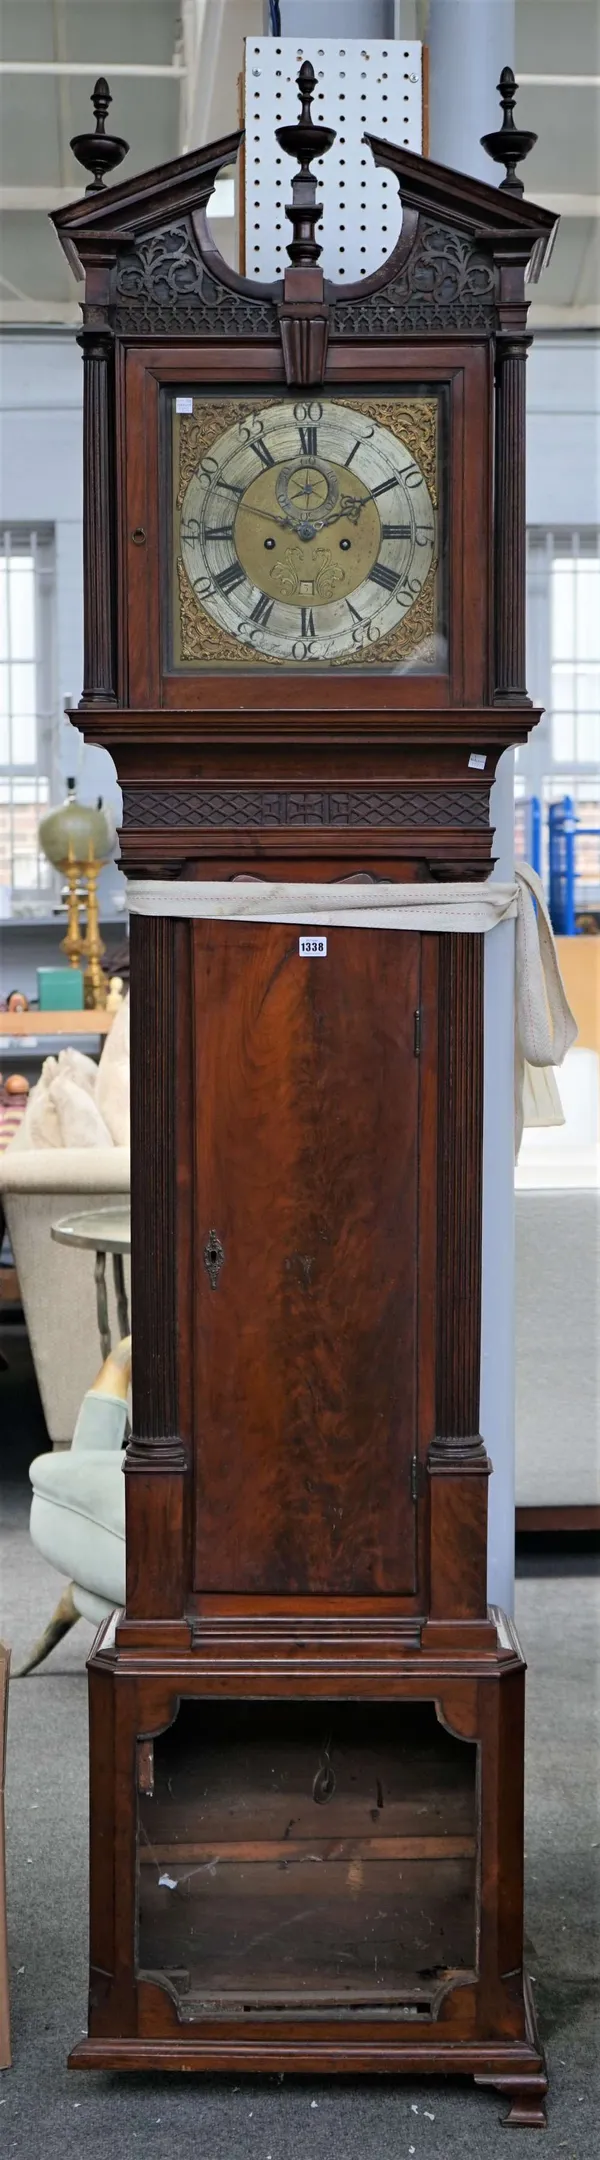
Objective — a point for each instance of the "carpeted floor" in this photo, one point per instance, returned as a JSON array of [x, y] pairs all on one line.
[[46, 2111]]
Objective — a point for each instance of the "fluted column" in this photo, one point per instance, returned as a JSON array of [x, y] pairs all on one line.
[[458, 1463], [156, 1460], [460, 1098], [153, 1174], [99, 600], [510, 529]]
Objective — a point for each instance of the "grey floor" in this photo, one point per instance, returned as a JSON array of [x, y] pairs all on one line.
[[45, 2110]]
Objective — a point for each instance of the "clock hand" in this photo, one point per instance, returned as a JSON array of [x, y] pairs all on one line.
[[350, 508], [272, 518]]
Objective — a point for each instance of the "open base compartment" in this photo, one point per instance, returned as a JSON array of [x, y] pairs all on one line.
[[329, 1882], [314, 1858]]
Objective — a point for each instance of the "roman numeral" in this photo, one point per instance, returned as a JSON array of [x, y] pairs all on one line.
[[355, 447], [307, 624], [396, 532], [262, 452], [231, 489], [219, 532], [353, 611], [380, 575], [233, 575], [384, 485], [308, 438], [262, 611]]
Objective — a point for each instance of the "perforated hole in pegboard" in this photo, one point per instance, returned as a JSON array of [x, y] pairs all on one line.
[[375, 87]]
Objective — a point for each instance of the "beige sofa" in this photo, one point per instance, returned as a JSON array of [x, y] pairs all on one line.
[[37, 1187]]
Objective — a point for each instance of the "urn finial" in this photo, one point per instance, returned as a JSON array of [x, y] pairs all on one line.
[[99, 153], [509, 144], [304, 140]]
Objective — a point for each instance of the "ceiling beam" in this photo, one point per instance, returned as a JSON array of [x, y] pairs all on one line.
[[221, 203], [203, 26], [559, 82], [93, 68], [62, 91], [27, 313], [570, 206], [577, 315]]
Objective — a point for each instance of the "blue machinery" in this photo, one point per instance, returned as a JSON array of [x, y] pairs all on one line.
[[528, 831], [573, 859]]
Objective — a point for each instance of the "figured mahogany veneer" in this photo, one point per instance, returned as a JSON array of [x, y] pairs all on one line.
[[306, 1728]]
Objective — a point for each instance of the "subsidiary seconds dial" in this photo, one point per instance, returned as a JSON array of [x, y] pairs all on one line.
[[308, 532]]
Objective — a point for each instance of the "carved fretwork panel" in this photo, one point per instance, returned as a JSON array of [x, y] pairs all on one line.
[[153, 810], [163, 288], [447, 283]]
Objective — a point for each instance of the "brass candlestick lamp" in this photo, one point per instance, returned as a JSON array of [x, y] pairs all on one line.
[[78, 839]]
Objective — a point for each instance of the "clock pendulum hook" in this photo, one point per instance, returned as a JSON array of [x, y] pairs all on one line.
[[509, 144]]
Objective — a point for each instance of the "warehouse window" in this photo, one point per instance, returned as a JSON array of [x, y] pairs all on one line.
[[575, 649], [27, 705]]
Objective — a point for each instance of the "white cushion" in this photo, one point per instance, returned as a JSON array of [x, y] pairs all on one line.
[[78, 1518], [81, 1122], [112, 1087]]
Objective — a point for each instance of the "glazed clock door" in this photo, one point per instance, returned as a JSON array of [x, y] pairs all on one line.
[[308, 1160], [306, 532]]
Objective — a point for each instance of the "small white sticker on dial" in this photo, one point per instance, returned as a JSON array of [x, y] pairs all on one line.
[[184, 404], [312, 948]]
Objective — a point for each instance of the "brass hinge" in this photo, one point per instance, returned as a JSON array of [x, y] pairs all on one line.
[[418, 1032], [418, 1483]]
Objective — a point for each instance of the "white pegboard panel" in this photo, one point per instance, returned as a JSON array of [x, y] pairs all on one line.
[[361, 85]]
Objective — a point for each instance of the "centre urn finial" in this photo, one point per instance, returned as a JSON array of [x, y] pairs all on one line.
[[304, 140]]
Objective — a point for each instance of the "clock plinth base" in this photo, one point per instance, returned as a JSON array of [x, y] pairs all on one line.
[[375, 1777]]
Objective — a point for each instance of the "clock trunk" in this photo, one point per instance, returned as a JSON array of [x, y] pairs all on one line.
[[309, 1151]]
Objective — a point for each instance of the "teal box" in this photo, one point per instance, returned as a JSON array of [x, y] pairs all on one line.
[[60, 989]]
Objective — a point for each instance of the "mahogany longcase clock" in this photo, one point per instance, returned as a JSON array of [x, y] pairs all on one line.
[[304, 595]]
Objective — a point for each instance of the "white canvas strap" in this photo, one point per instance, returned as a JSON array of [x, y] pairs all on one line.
[[544, 1023], [349, 904]]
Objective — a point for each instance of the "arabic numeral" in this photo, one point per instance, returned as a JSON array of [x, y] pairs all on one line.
[[304, 648], [208, 467], [202, 587], [367, 635], [312, 412], [250, 428], [412, 476], [423, 533]]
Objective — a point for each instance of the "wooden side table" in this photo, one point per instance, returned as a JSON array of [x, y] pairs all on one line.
[[102, 1230]]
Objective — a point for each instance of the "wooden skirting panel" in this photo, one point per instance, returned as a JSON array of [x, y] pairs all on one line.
[[558, 1518]]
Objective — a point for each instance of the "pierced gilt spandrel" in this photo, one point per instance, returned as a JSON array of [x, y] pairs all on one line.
[[306, 533]]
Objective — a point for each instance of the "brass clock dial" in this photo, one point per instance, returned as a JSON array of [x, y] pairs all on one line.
[[307, 533]]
